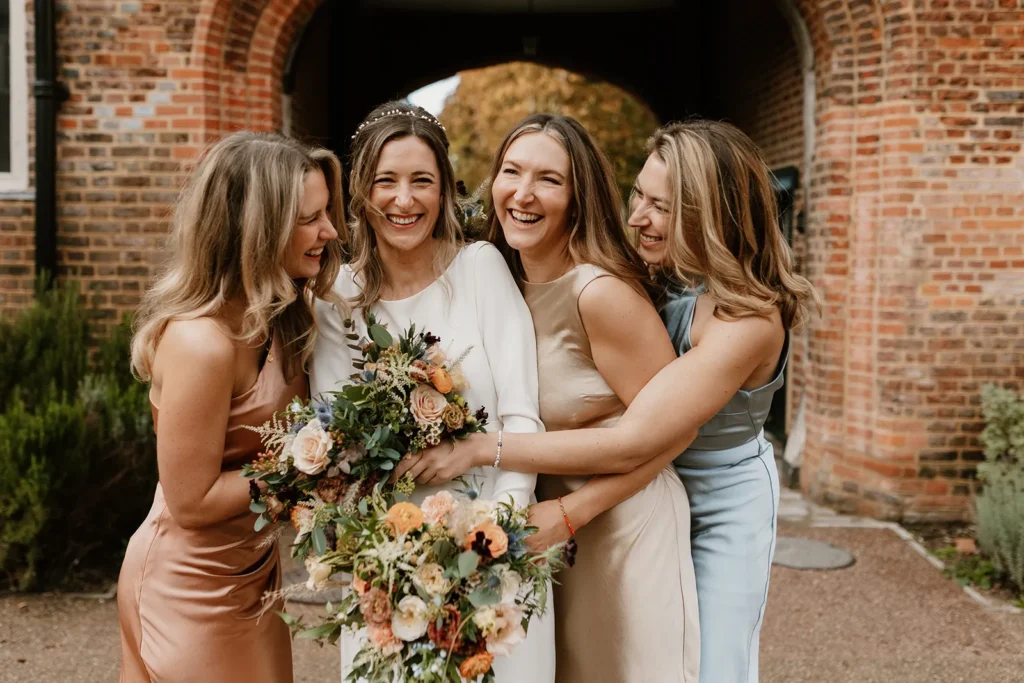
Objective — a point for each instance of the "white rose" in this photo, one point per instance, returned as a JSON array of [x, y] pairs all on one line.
[[319, 573], [508, 630], [430, 577], [470, 514], [409, 621], [427, 404], [309, 448]]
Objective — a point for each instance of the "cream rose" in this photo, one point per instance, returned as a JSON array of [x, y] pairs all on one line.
[[430, 577], [309, 448], [410, 619], [319, 574], [435, 354], [427, 404]]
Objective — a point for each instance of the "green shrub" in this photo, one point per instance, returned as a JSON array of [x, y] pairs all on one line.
[[77, 449], [1000, 505]]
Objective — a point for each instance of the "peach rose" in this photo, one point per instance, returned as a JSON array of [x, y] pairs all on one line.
[[476, 666], [488, 539], [360, 586], [309, 448], [427, 404], [404, 517], [441, 379], [383, 638]]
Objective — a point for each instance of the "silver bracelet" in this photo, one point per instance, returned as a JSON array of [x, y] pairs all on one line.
[[497, 458]]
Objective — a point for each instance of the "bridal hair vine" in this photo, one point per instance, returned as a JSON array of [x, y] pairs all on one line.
[[399, 112]]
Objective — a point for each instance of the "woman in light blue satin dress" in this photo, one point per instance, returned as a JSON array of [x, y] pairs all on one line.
[[706, 213]]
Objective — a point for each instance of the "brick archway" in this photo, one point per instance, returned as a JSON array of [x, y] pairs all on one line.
[[240, 52]]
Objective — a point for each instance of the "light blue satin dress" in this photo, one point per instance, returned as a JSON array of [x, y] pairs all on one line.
[[730, 475]]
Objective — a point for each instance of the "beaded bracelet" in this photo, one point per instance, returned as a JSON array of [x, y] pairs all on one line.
[[497, 458], [565, 516]]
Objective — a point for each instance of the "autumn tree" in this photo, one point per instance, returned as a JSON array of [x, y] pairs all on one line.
[[488, 102]]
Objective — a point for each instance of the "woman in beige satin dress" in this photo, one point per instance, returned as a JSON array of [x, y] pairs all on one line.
[[223, 336], [627, 612]]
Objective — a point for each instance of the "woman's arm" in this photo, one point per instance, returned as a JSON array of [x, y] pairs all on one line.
[[664, 416], [196, 361]]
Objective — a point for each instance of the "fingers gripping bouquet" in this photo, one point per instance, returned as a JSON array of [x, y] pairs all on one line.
[[441, 589], [324, 456]]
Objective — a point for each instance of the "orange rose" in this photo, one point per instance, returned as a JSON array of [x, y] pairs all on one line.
[[488, 539], [476, 666], [441, 379], [403, 518]]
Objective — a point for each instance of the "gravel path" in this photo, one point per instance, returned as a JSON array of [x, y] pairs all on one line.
[[889, 618]]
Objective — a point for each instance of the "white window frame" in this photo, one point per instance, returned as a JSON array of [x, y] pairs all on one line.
[[16, 180]]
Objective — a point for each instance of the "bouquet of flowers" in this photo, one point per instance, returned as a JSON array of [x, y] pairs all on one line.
[[323, 456], [441, 589]]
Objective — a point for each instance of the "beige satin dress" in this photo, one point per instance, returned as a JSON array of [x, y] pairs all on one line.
[[189, 600], [627, 612]]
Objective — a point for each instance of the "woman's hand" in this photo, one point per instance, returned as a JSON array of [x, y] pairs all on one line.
[[436, 465], [551, 527]]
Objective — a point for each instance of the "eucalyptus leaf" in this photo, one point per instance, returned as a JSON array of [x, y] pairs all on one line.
[[319, 541], [381, 336], [483, 596], [261, 522], [287, 618], [387, 465], [363, 507], [468, 562], [319, 632], [443, 551], [258, 506]]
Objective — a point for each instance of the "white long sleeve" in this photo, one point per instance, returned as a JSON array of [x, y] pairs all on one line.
[[506, 328], [332, 359]]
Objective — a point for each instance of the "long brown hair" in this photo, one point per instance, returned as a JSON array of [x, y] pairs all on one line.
[[597, 233], [393, 121], [231, 227], [724, 223]]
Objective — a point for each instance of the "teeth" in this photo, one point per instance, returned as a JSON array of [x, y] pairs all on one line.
[[649, 239], [399, 220], [315, 252], [525, 217]]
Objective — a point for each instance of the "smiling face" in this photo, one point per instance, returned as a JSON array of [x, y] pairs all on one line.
[[313, 229], [405, 198], [532, 193], [651, 209]]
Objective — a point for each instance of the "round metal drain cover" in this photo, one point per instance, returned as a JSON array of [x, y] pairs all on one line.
[[803, 553]]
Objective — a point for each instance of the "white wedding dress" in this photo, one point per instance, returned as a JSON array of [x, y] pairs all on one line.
[[475, 306]]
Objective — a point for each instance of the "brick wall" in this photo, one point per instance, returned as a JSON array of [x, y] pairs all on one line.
[[914, 200]]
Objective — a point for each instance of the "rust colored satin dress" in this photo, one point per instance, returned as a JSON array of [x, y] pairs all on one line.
[[189, 600]]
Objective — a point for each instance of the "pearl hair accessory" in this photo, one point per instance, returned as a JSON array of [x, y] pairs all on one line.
[[398, 112]]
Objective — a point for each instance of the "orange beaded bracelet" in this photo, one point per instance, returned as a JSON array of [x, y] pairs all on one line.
[[565, 516]]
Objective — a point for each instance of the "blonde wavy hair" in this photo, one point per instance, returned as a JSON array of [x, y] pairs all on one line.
[[394, 121], [597, 230], [229, 233], [724, 223]]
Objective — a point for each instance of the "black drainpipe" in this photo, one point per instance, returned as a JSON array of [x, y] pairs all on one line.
[[49, 94]]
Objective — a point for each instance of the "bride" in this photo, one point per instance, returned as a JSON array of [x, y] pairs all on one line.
[[411, 264]]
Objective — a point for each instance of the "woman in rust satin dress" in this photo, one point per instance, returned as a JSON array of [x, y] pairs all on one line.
[[223, 336]]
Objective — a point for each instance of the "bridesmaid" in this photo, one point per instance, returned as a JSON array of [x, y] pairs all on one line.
[[706, 213], [627, 613], [223, 336]]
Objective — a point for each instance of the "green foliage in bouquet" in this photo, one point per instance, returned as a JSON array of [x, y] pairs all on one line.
[[1000, 505], [77, 449], [335, 449]]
